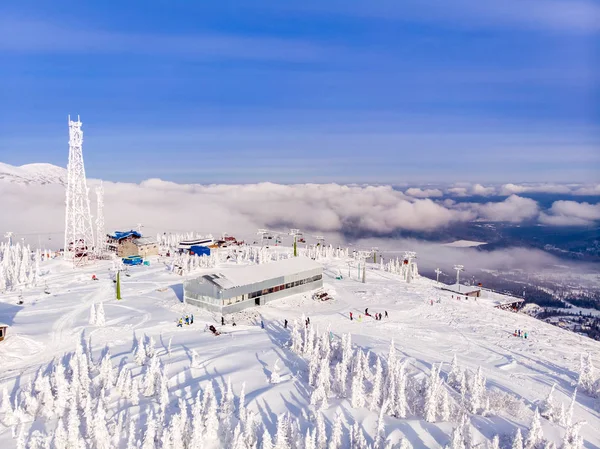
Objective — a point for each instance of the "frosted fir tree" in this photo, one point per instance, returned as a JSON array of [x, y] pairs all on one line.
[[100, 318], [549, 445], [401, 405], [275, 376], [242, 405], [92, 320], [281, 436], [169, 346], [74, 437], [517, 440], [101, 434], [150, 347], [457, 440], [132, 435], [535, 437], [310, 441], [211, 414], [5, 401], [337, 431], [358, 390], [151, 377], [59, 438], [267, 441], [379, 439], [139, 354], [321, 432], [150, 433], [432, 394], [444, 411], [134, 392], [495, 443], [586, 374], [163, 393], [376, 391], [476, 391]]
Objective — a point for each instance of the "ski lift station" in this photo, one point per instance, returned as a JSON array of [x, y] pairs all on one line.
[[236, 289]]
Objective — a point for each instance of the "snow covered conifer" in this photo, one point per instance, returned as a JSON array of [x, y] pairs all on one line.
[[281, 436], [518, 440], [267, 442], [92, 315], [569, 415], [535, 436], [101, 434], [358, 390], [310, 441], [100, 318], [149, 441], [586, 374], [444, 409], [321, 432], [337, 432], [376, 391], [379, 438], [151, 377], [134, 392], [457, 439], [59, 439], [73, 433], [495, 443], [132, 435], [139, 353], [432, 394], [211, 413]]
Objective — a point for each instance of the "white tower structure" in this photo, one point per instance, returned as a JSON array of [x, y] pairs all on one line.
[[437, 275], [458, 269], [79, 237], [100, 247]]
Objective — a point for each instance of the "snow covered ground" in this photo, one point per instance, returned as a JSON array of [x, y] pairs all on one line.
[[464, 244], [425, 332]]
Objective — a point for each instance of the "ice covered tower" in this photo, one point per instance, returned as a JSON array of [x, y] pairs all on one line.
[[79, 238], [100, 247]]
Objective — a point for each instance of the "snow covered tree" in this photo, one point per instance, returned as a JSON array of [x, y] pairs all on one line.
[[444, 407], [310, 441], [211, 413], [569, 415], [586, 374], [432, 389], [152, 377], [337, 432], [132, 435], [281, 436], [74, 438], [267, 441], [376, 390], [101, 434], [92, 315], [60, 439], [518, 440], [495, 443], [100, 318], [457, 439], [535, 437], [476, 391], [547, 408], [379, 438], [572, 439], [139, 354], [149, 440], [321, 432], [358, 390]]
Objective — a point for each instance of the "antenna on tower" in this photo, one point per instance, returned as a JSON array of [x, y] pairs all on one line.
[[78, 220], [458, 269], [100, 231]]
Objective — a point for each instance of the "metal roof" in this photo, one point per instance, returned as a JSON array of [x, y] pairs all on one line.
[[252, 274], [144, 241], [119, 235]]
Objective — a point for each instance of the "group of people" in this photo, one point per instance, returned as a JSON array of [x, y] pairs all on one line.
[[519, 333], [188, 319], [377, 316]]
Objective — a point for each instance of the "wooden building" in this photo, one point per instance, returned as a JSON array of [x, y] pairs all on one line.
[[131, 243]]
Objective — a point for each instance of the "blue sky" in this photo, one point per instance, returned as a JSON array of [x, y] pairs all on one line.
[[311, 91]]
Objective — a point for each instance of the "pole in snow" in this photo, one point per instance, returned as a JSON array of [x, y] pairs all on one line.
[[458, 269], [118, 284], [437, 275], [364, 273]]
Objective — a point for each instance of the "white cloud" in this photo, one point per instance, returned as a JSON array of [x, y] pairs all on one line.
[[571, 213], [512, 189], [480, 190], [513, 209], [591, 190], [458, 191], [423, 193]]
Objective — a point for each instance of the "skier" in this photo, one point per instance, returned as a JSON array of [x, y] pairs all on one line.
[[187, 320], [262, 324], [192, 318], [525, 335], [180, 323], [367, 311], [351, 316], [285, 324], [234, 324], [360, 318], [431, 301], [308, 320], [222, 321], [386, 314]]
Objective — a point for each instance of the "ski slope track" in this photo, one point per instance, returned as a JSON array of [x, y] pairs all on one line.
[[427, 325]]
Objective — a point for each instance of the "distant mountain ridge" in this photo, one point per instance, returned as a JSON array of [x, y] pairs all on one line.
[[33, 174]]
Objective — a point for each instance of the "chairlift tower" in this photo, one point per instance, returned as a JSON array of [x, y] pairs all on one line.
[[79, 237], [100, 247], [458, 269], [437, 275]]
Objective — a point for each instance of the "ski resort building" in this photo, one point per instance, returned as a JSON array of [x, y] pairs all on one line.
[[236, 289], [3, 329], [131, 243], [465, 290]]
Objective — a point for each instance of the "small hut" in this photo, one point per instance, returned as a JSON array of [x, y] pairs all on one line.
[[3, 329]]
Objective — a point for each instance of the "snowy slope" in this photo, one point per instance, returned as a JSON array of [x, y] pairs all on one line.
[[33, 174], [48, 326]]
